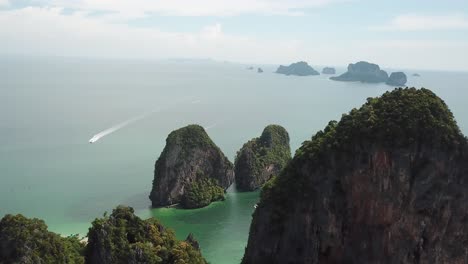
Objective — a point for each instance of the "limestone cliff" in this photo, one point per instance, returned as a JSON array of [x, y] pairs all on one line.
[[386, 184], [261, 158], [189, 159]]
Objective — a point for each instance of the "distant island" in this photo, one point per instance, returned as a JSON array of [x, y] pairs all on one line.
[[328, 70], [366, 72], [299, 69], [416, 75], [259, 70], [362, 72], [250, 68], [397, 79], [191, 170]]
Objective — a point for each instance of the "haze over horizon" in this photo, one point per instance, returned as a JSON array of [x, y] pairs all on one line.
[[398, 34]]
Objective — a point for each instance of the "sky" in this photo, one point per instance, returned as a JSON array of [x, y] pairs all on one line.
[[401, 34]]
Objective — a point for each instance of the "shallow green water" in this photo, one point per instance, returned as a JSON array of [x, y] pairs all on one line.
[[50, 108], [221, 225]]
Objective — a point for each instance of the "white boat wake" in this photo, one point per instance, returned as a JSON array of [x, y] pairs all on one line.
[[119, 126]]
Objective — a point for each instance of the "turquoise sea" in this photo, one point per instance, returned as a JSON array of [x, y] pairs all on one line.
[[51, 107]]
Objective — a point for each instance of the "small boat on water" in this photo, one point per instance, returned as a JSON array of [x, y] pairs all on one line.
[[255, 206], [94, 139]]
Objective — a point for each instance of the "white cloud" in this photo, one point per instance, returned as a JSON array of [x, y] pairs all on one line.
[[414, 22], [48, 31], [138, 8], [4, 3]]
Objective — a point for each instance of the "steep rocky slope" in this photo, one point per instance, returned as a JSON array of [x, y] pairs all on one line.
[[388, 183], [261, 158], [189, 160]]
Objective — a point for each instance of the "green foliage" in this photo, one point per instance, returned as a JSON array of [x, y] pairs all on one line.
[[26, 240], [401, 119], [201, 193], [123, 237], [271, 148], [189, 137], [397, 119]]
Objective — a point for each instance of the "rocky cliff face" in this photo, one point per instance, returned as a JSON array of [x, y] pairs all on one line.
[[299, 68], [188, 157], [386, 184], [397, 79], [262, 158], [363, 72]]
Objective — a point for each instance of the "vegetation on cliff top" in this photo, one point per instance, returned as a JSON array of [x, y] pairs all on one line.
[[402, 118], [201, 193], [24, 240], [190, 136], [272, 147], [123, 237]]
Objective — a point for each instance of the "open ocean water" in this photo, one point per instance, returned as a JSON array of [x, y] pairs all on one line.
[[51, 107]]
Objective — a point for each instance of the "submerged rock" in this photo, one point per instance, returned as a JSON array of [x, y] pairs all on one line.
[[191, 162], [328, 70], [123, 237], [397, 79], [363, 72], [386, 184], [299, 68], [262, 158]]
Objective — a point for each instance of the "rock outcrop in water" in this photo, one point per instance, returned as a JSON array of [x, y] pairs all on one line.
[[259, 70], [24, 240], [386, 184], [397, 79], [362, 72], [299, 68], [328, 70], [123, 237], [416, 75], [262, 158], [189, 166]]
